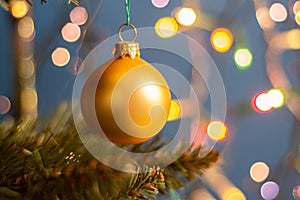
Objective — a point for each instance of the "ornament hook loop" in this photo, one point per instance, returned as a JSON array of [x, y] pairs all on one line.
[[131, 26]]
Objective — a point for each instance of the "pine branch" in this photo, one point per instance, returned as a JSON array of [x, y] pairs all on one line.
[[49, 161], [188, 167]]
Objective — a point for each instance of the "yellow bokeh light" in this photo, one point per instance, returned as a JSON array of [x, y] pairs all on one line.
[[71, 32], [221, 40], [216, 130], [297, 17], [26, 28], [60, 56], [293, 39], [296, 7], [19, 8], [186, 16], [233, 194], [166, 27], [259, 171], [264, 19], [175, 110], [278, 12], [29, 99], [276, 98]]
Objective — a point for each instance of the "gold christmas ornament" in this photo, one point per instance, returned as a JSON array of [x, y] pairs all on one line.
[[132, 99]]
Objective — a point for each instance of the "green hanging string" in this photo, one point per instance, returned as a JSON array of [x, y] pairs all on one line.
[[127, 6]]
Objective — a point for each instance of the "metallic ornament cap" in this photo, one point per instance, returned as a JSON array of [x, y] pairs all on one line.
[[125, 48]]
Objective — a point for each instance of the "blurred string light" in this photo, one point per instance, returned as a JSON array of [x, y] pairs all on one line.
[[216, 130], [79, 15], [264, 19], [221, 39], [160, 3], [60, 56], [175, 111], [296, 192], [71, 32], [269, 190], [26, 28], [221, 185], [259, 171], [278, 12], [166, 27], [200, 194], [243, 58], [18, 8], [4, 105], [186, 16], [286, 40]]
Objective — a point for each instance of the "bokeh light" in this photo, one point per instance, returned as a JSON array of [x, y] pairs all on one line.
[[297, 17], [29, 99], [276, 98], [216, 130], [71, 32], [79, 15], [261, 102], [296, 7], [4, 105], [186, 16], [166, 27], [175, 111], [243, 58], [221, 40], [269, 190], [293, 38], [259, 171], [26, 28], [264, 19], [27, 69], [233, 194], [18, 8], [160, 3], [60, 56], [296, 192], [278, 12]]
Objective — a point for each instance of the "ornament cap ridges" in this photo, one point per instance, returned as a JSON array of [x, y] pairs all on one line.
[[126, 48]]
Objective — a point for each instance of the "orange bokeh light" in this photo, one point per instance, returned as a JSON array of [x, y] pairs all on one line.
[[221, 40], [60, 57], [259, 171]]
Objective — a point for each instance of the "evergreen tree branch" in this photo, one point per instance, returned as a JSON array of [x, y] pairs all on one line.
[[49, 161]]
